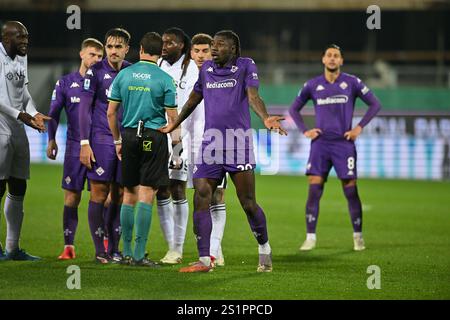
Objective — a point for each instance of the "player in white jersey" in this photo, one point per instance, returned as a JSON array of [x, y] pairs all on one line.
[[173, 217], [195, 124], [16, 108]]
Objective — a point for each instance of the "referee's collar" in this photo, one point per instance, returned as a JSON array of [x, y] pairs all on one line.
[[148, 61]]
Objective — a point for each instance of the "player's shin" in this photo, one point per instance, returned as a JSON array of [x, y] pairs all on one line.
[[354, 207], [202, 231], [112, 223], [180, 219], [312, 207], [70, 223], [116, 230], [258, 225], [143, 222], [127, 223], [14, 218], [165, 212], [218, 216], [96, 225]]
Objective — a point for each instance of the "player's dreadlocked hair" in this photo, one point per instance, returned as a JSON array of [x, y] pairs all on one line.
[[182, 37], [231, 35]]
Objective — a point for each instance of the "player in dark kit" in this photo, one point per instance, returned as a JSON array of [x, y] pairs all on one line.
[[97, 152], [333, 139], [66, 95], [228, 84]]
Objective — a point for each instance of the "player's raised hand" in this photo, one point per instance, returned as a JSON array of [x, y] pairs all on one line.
[[52, 150], [313, 133], [273, 123], [353, 134], [87, 156]]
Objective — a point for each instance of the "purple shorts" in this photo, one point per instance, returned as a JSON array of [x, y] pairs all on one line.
[[107, 167], [340, 154], [217, 165], [74, 173]]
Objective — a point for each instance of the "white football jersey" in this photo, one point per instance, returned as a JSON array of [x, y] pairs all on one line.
[[13, 90], [190, 127]]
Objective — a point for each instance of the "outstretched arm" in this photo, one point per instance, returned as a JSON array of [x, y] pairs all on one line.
[[194, 99], [270, 122]]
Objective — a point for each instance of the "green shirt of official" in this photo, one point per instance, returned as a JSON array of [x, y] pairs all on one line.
[[145, 91]]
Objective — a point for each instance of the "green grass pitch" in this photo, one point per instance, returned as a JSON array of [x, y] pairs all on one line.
[[406, 229]]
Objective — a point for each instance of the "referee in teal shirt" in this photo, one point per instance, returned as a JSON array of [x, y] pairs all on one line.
[[146, 93]]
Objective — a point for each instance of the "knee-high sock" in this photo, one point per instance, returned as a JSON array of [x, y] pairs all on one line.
[[219, 217], [106, 220], [117, 230], [202, 231], [14, 218], [180, 220], [354, 207], [96, 225], [258, 225], [112, 223], [127, 223], [165, 212], [312, 207], [70, 223], [143, 222]]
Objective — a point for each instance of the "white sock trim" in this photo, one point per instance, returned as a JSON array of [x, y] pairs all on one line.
[[264, 248], [311, 236]]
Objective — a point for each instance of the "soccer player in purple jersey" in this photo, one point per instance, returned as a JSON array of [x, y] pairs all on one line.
[[98, 152], [228, 84], [201, 52], [67, 96], [333, 139]]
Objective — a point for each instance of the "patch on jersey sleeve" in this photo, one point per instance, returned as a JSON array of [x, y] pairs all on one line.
[[87, 84], [54, 95], [57, 83], [364, 90]]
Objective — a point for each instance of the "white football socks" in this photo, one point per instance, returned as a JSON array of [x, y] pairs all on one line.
[[205, 260], [180, 219], [14, 218], [311, 236], [264, 248], [165, 212], [219, 217]]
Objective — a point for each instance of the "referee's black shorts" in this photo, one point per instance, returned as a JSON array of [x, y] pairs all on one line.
[[144, 160]]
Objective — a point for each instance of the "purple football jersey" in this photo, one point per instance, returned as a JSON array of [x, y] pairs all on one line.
[[226, 103], [66, 95], [334, 104], [96, 87]]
